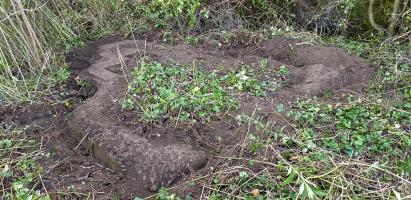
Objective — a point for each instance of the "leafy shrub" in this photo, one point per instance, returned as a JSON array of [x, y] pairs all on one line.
[[163, 12]]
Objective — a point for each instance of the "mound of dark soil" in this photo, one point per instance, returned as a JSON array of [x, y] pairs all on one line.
[[148, 157], [149, 165], [318, 69]]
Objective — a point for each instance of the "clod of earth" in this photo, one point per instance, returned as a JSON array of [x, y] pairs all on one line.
[[153, 164]]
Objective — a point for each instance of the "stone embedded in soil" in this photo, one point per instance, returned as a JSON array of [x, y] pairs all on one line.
[[72, 92], [118, 147]]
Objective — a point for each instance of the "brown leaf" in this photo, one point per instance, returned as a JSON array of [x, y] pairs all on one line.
[[255, 192], [295, 158]]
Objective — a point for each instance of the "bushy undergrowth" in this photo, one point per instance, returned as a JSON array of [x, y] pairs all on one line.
[[20, 174], [352, 148], [182, 12], [187, 94], [357, 127], [60, 23], [176, 93], [94, 18]]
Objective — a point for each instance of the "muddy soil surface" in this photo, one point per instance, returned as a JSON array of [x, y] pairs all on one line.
[[111, 148]]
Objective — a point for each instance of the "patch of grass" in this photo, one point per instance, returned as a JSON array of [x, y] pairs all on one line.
[[94, 19], [20, 173], [176, 93], [30, 33]]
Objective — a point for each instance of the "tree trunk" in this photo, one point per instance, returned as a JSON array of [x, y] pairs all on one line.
[[371, 17], [394, 18]]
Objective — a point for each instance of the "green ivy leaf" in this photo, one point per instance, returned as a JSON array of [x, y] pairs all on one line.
[[280, 108]]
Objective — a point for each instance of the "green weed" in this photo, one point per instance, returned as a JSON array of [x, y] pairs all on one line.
[[20, 173], [176, 93], [182, 11], [244, 81], [358, 127]]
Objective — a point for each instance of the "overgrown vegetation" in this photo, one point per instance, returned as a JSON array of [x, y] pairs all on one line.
[[176, 93], [350, 147], [187, 94], [65, 22], [357, 127], [20, 174], [244, 81], [29, 33]]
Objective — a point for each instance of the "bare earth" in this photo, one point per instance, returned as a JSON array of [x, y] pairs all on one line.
[[99, 143]]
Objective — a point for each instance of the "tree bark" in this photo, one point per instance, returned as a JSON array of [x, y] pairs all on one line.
[[394, 18], [371, 17]]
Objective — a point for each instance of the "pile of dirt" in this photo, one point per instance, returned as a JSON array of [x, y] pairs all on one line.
[[149, 165], [149, 157], [318, 69]]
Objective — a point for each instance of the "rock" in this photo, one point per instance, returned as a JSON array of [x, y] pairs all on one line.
[[73, 93]]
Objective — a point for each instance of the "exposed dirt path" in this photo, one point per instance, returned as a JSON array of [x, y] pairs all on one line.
[[122, 149]]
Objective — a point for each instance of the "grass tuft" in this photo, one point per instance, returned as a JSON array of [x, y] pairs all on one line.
[[29, 34]]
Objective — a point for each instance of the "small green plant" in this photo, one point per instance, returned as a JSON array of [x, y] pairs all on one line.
[[405, 166], [20, 168], [264, 63], [62, 74], [128, 104], [283, 70], [358, 127], [163, 194], [244, 81], [255, 142], [176, 93], [191, 40], [274, 77], [167, 37]]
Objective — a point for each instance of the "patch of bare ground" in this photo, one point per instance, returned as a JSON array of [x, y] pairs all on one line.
[[104, 151]]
